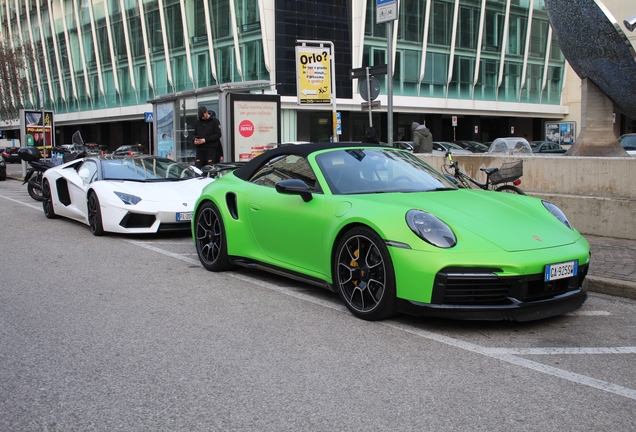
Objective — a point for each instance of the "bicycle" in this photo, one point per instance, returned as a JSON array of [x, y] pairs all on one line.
[[510, 172]]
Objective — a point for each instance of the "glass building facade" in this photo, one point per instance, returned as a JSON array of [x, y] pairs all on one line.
[[100, 61]]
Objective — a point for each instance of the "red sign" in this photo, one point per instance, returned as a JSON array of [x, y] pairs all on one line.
[[246, 128]]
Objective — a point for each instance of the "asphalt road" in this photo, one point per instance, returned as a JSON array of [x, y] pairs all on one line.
[[131, 333]]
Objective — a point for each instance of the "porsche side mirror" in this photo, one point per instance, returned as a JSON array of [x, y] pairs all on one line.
[[294, 187]]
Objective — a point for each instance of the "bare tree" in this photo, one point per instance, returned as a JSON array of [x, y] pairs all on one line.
[[15, 62]]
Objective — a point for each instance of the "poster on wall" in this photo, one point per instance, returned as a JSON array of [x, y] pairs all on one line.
[[255, 124], [560, 132], [36, 130], [165, 130]]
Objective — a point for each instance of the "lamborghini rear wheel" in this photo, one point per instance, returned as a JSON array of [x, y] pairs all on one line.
[[364, 276], [47, 204], [210, 238]]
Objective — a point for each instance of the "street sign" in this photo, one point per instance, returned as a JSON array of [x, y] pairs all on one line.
[[385, 11], [374, 89], [364, 106], [454, 120], [149, 118], [313, 71], [339, 123], [373, 70]]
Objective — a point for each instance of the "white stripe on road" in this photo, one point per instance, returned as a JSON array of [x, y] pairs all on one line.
[[22, 202]]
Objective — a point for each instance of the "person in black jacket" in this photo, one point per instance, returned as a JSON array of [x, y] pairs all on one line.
[[370, 136], [207, 138]]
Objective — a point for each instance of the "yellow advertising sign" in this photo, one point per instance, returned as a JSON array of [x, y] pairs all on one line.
[[313, 72]]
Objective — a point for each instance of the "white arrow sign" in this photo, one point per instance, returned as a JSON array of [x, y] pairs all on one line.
[[308, 92]]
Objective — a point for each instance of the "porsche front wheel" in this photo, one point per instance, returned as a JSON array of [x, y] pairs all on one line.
[[47, 204], [211, 243], [363, 274], [95, 214]]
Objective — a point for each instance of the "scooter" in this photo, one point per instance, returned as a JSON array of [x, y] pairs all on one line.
[[35, 173]]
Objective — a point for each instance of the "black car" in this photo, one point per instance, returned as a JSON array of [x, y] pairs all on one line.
[[10, 154], [3, 169], [473, 146], [131, 150], [548, 147], [96, 149]]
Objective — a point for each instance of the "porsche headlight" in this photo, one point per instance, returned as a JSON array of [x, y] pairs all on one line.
[[430, 229], [557, 213], [127, 198]]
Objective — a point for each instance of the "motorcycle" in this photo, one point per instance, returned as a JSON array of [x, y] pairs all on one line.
[[35, 174]]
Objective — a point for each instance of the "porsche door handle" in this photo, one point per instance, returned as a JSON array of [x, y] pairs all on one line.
[[255, 207]]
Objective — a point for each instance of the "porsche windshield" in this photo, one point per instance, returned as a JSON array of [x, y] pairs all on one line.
[[148, 168], [367, 170]]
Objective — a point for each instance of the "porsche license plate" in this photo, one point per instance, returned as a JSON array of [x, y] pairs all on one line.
[[184, 216], [561, 270]]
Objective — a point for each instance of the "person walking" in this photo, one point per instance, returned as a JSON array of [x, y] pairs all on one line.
[[370, 136], [207, 138], [422, 138]]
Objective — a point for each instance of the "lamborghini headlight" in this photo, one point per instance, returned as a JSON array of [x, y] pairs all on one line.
[[430, 229], [128, 198], [557, 213]]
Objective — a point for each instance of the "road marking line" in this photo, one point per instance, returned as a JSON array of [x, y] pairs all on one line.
[[564, 351], [588, 313], [23, 203], [503, 354]]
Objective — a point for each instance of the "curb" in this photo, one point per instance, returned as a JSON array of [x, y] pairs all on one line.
[[612, 287]]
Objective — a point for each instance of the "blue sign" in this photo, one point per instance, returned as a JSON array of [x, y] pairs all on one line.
[[149, 118], [383, 2], [338, 123]]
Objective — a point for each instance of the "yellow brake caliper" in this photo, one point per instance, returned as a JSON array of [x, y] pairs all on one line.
[[354, 263]]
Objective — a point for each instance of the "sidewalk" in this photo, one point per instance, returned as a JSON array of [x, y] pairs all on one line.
[[612, 268]]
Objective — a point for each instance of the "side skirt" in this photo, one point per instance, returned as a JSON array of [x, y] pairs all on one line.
[[243, 262]]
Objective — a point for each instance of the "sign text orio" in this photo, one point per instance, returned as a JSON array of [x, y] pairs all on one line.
[[313, 58]]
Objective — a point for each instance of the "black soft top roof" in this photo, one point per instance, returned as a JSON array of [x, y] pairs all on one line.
[[302, 150]]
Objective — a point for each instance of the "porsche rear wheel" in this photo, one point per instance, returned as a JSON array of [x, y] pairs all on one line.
[[364, 276], [210, 238], [95, 214], [47, 204]]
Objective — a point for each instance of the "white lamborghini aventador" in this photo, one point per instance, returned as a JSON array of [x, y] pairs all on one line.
[[127, 195]]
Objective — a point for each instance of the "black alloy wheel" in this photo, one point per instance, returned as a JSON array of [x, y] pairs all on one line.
[[47, 204], [211, 241], [364, 276], [95, 214]]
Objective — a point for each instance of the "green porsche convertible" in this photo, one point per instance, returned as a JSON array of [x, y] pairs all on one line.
[[391, 235]]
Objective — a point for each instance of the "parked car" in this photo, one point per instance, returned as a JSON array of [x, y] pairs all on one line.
[[390, 234], [10, 154], [3, 169], [548, 147], [441, 147], [96, 149], [404, 145], [628, 142], [511, 146], [126, 195], [131, 150], [473, 146]]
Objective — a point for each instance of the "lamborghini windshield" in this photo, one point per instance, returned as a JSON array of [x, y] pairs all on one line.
[[145, 168], [356, 171]]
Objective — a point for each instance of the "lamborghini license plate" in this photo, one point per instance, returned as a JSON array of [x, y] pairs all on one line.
[[184, 216], [561, 270]]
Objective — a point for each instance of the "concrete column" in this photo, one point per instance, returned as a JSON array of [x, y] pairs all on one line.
[[597, 131]]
